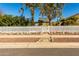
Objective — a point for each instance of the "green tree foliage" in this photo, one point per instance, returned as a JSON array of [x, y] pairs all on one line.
[[53, 10], [69, 21], [9, 20]]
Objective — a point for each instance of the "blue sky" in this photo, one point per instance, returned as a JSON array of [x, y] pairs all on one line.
[[12, 9], [70, 9]]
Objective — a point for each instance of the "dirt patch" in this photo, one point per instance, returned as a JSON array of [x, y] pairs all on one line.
[[66, 39], [24, 39]]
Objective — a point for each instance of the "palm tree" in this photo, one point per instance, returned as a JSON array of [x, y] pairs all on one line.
[[32, 7]]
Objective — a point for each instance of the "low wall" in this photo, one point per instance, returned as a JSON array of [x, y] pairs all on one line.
[[40, 29]]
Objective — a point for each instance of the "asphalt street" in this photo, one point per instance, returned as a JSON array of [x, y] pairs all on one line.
[[39, 52]]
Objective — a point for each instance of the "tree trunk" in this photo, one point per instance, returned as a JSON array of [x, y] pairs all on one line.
[[49, 20], [32, 22], [32, 10]]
